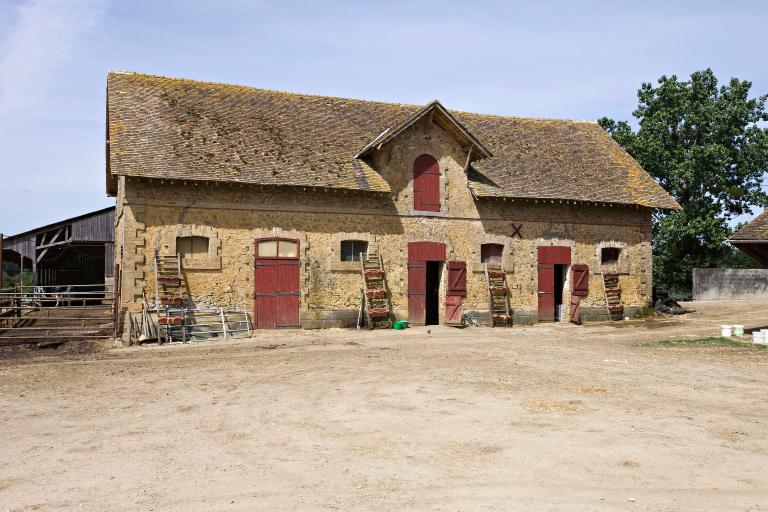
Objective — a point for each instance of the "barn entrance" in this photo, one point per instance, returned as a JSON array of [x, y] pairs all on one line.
[[431, 306], [276, 284], [553, 264], [425, 265]]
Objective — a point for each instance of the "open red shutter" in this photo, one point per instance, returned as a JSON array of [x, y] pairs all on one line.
[[453, 310], [426, 184], [580, 280], [457, 279]]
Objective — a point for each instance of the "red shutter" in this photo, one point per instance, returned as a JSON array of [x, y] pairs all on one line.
[[457, 279], [426, 184], [453, 310], [580, 280], [575, 309]]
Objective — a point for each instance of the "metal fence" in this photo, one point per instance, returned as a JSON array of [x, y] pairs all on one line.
[[45, 315], [189, 324]]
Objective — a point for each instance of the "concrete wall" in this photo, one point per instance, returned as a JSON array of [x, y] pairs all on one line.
[[153, 214], [730, 284]]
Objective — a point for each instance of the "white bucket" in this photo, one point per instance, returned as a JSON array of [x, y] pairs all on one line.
[[726, 331], [758, 338], [738, 330]]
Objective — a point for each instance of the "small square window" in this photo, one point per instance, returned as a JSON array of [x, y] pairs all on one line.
[[609, 255], [351, 249], [491, 253], [195, 247]]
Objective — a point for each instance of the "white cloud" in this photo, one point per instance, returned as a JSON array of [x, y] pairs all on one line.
[[38, 44]]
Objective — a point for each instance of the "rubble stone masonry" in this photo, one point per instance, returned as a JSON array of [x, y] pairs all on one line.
[[151, 214]]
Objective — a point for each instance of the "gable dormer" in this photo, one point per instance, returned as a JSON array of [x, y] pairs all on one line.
[[433, 112], [422, 156]]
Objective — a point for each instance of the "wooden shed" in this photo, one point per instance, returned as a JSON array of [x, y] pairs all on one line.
[[75, 251]]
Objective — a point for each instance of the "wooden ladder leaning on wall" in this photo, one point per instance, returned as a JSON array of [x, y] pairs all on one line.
[[378, 310], [612, 291], [498, 296], [170, 296]]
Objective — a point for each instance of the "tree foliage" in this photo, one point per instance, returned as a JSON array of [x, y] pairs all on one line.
[[705, 145]]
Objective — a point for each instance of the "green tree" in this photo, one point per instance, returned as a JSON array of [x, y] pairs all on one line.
[[705, 145]]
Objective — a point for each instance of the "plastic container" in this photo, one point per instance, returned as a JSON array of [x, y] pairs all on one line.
[[400, 325], [726, 331], [738, 330], [758, 338]]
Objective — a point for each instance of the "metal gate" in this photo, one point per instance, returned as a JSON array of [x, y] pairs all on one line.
[[52, 315]]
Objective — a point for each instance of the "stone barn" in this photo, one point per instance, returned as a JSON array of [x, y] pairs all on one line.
[[272, 199]]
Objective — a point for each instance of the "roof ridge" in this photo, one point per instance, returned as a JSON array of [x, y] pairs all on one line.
[[331, 97], [261, 89]]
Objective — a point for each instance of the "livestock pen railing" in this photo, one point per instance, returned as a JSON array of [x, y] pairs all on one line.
[[55, 314]]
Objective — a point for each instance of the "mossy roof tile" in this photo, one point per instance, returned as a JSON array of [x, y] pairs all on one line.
[[182, 129]]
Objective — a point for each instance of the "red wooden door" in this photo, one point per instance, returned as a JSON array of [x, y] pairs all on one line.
[[546, 292], [276, 284], [426, 184], [549, 256], [419, 253], [417, 292]]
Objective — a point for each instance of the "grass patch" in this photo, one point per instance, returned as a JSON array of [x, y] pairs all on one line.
[[713, 340]]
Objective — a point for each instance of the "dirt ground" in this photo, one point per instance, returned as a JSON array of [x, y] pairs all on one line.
[[555, 417]]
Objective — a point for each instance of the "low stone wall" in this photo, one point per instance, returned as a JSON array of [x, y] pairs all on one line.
[[730, 284]]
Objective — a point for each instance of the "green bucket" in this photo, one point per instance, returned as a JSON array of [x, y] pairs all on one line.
[[400, 325]]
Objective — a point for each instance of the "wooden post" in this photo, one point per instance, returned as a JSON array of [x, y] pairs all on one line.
[[223, 322]]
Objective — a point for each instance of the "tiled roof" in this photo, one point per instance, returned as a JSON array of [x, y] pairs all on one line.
[[756, 230], [181, 129]]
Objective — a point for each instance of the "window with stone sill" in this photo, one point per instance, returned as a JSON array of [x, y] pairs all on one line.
[[351, 250], [192, 247]]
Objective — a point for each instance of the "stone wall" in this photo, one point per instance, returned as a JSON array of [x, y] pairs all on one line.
[[152, 214], [730, 284]]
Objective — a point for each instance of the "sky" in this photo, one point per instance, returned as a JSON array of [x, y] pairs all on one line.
[[574, 60]]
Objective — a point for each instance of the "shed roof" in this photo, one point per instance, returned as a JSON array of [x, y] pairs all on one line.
[[754, 231], [752, 239], [181, 129]]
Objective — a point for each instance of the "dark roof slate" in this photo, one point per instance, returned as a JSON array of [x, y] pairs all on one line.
[[182, 129]]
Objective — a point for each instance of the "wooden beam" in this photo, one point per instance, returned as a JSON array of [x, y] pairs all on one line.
[[51, 241]]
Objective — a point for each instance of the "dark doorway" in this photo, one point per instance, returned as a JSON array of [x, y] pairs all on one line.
[[432, 313], [560, 276]]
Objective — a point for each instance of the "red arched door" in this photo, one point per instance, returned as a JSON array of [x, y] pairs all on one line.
[[276, 283], [426, 184]]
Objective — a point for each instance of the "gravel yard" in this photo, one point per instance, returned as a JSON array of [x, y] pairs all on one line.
[[551, 417]]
